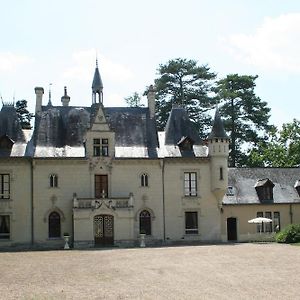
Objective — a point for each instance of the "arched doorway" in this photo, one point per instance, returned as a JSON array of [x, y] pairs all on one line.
[[145, 222], [54, 225], [231, 229], [104, 230]]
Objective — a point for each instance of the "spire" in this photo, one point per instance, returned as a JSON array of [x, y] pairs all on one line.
[[218, 130], [49, 101], [97, 85]]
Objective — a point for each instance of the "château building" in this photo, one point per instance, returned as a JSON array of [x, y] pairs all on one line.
[[104, 175]]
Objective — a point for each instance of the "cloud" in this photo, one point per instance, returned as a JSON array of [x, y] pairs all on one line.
[[274, 46], [84, 64], [9, 61]]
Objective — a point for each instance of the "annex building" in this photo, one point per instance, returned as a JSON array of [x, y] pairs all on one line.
[[104, 175]]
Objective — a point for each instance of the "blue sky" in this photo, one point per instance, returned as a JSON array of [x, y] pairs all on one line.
[[56, 42]]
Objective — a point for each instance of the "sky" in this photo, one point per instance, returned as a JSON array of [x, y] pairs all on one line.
[[56, 42]]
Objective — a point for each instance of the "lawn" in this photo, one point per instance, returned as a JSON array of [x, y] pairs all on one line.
[[235, 271]]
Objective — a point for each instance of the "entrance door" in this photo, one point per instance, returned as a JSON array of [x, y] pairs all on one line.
[[231, 229], [104, 230]]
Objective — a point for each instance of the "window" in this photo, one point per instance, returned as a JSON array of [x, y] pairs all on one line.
[[100, 147], [101, 186], [4, 186], [190, 184], [53, 180], [4, 227], [145, 222], [221, 173], [54, 225], [268, 226], [144, 180], [230, 191], [191, 222], [276, 221], [260, 227], [264, 189]]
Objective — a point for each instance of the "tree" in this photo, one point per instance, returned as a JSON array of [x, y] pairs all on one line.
[[23, 114], [245, 116], [134, 100], [281, 150], [182, 82]]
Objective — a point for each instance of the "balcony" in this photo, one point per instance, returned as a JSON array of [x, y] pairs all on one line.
[[112, 203]]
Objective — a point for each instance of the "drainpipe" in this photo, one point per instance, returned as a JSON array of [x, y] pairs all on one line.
[[163, 198], [31, 203]]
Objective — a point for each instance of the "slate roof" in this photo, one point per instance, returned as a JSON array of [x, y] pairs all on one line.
[[218, 130], [243, 181]]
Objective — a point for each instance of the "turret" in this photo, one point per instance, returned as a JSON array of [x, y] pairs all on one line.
[[39, 91], [97, 86], [218, 145]]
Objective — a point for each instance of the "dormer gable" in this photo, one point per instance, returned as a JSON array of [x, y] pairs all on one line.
[[264, 189], [186, 143], [98, 119]]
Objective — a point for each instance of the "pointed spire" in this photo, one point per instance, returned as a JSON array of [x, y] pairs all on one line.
[[49, 101], [218, 130], [97, 85]]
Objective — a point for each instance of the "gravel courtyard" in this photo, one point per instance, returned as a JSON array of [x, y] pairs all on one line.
[[236, 271]]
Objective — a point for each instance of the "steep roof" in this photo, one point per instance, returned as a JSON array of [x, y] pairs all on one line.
[[244, 180], [97, 84], [218, 130]]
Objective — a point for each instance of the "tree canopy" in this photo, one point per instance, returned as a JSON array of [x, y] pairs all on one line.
[[134, 100], [23, 114], [281, 150], [245, 115], [183, 82]]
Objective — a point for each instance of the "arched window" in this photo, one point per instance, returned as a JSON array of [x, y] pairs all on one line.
[[53, 180], [145, 222], [144, 179], [54, 225]]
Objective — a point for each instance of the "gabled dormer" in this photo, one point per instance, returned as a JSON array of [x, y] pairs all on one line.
[[186, 143], [264, 190]]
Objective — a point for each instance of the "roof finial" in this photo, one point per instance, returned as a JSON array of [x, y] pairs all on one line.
[[49, 102]]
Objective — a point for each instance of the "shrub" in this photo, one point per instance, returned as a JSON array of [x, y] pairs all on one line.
[[290, 234]]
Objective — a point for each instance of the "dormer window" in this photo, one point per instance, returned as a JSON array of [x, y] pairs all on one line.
[[230, 191], [264, 189], [100, 147], [185, 143], [297, 186]]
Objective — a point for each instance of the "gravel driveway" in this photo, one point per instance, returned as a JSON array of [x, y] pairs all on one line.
[[235, 271]]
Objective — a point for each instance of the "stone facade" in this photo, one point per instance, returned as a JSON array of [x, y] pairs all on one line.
[[104, 175]]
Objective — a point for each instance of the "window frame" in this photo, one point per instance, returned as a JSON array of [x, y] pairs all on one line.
[[4, 186], [100, 147], [191, 222], [53, 180], [144, 180], [188, 181], [5, 235]]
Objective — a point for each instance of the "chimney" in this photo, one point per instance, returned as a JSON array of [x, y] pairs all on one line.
[[65, 99], [39, 91], [151, 101]]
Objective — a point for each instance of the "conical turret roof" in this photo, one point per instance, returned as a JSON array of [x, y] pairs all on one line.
[[218, 130], [97, 85]]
